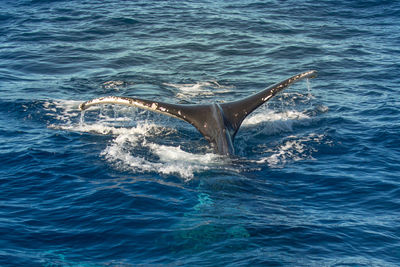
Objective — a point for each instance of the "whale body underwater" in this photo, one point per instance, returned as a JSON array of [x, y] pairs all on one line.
[[217, 122]]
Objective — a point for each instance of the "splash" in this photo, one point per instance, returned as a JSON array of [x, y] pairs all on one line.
[[293, 149], [275, 122], [62, 110], [82, 119], [140, 144], [164, 159]]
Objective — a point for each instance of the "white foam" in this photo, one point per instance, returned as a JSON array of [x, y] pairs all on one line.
[[116, 85], [274, 122], [203, 88], [186, 164], [274, 116], [294, 149], [67, 115], [169, 159]]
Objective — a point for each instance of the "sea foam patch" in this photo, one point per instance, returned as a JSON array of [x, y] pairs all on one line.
[[274, 122], [163, 159], [293, 148]]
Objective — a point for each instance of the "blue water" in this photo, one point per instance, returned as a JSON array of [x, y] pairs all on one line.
[[316, 178]]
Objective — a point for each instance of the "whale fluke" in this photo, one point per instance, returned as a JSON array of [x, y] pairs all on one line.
[[217, 122]]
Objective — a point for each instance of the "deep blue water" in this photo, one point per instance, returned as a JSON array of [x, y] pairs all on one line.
[[316, 179]]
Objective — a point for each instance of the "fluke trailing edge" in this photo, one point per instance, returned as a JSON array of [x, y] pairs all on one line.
[[218, 122]]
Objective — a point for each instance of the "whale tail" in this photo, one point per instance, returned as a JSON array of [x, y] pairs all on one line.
[[218, 122]]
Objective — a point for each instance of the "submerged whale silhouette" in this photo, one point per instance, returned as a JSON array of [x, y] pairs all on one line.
[[217, 122]]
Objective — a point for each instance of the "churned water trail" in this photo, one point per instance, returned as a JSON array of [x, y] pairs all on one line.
[[314, 181]]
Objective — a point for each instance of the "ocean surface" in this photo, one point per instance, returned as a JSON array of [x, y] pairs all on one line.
[[316, 177]]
